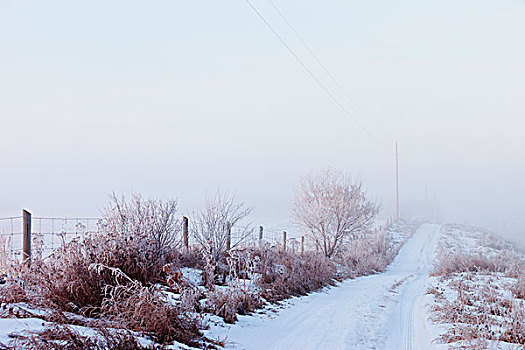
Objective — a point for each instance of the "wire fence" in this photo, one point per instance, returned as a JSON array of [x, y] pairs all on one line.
[[47, 234], [10, 240]]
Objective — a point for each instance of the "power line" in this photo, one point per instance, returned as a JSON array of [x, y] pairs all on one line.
[[311, 74], [327, 71]]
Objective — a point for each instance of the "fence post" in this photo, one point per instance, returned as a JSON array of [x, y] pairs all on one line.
[[260, 234], [228, 236], [26, 238], [185, 232], [302, 245], [284, 241]]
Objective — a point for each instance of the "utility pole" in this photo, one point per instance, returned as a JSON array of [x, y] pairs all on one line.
[[397, 186]]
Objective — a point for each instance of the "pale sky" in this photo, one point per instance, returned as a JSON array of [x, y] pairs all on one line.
[[178, 98]]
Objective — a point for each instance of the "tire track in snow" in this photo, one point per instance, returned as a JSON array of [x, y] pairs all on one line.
[[408, 321]]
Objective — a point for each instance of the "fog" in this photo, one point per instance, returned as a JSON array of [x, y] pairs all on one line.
[[180, 98]]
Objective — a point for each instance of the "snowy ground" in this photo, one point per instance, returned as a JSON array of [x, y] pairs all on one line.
[[477, 308], [402, 308], [383, 311]]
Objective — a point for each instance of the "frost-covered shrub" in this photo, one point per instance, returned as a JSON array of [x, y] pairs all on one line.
[[505, 262], [222, 216], [65, 281], [366, 255], [145, 309], [286, 275], [512, 264], [191, 257], [139, 237], [253, 276], [230, 303], [448, 264]]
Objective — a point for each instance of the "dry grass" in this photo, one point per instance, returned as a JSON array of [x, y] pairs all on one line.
[[519, 287], [64, 281], [479, 295], [480, 311], [448, 264], [62, 337], [12, 292], [145, 310]]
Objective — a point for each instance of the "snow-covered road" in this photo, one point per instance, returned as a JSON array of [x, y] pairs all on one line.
[[384, 311]]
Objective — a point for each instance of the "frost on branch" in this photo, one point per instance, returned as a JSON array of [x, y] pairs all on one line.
[[332, 209]]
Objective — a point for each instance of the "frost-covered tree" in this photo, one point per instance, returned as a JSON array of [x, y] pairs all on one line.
[[211, 224], [332, 208]]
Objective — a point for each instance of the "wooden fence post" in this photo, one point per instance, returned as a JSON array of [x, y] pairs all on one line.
[[26, 238], [185, 232], [260, 234], [302, 245], [228, 236], [284, 241]]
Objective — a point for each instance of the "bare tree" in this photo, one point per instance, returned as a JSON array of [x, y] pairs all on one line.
[[332, 208], [221, 213]]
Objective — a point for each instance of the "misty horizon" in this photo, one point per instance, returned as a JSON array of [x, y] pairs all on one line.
[[176, 100]]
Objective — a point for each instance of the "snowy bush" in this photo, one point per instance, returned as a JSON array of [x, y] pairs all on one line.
[[365, 255], [221, 216], [140, 236], [505, 262], [284, 275], [144, 309], [257, 275], [65, 281], [448, 264], [232, 302]]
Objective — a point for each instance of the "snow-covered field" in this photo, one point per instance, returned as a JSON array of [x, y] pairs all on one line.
[[472, 294]]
